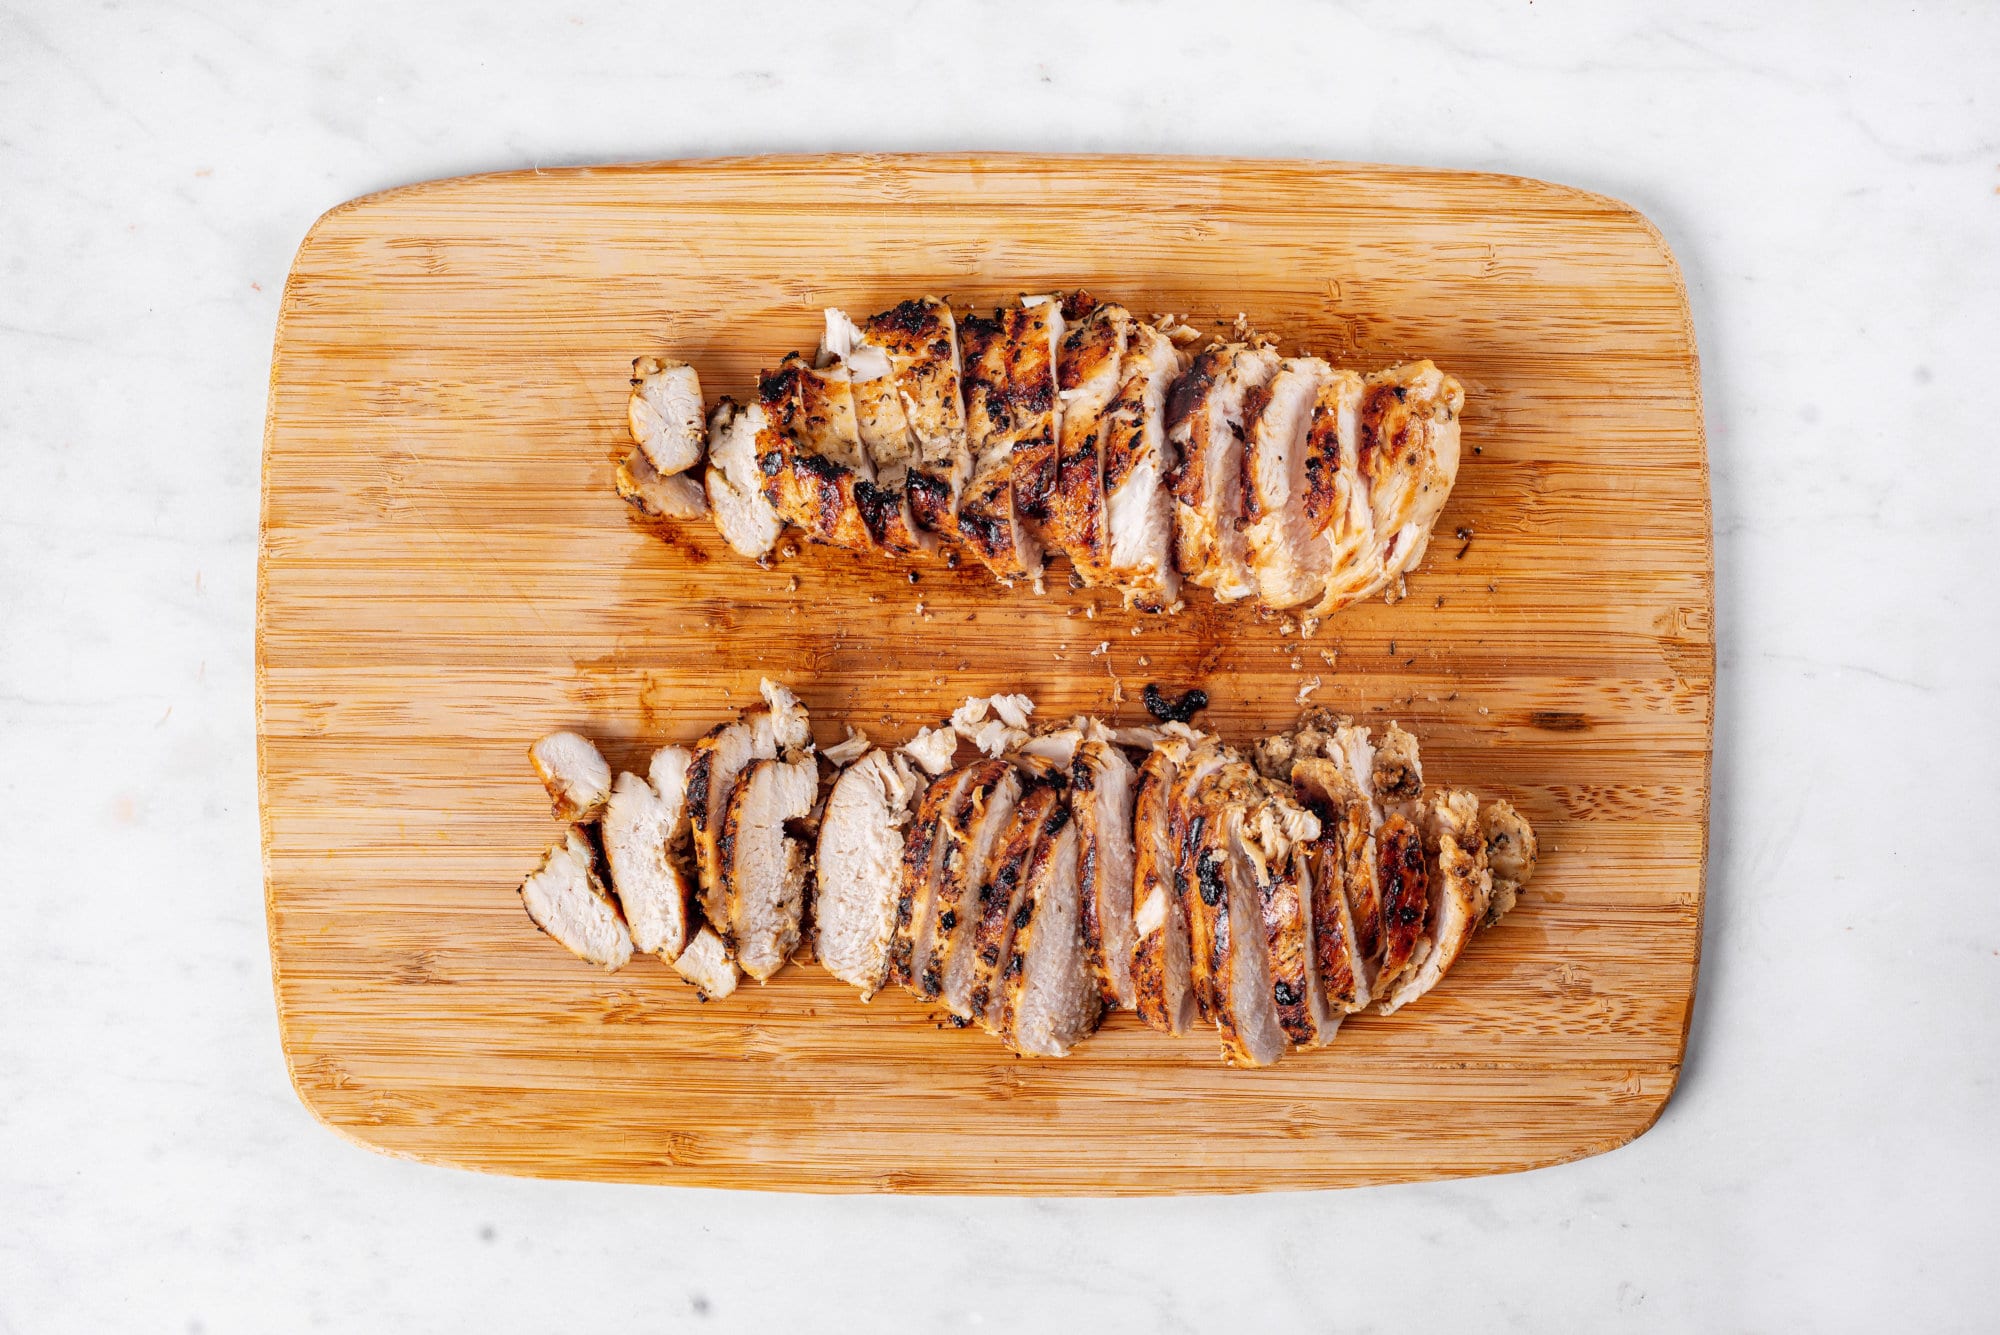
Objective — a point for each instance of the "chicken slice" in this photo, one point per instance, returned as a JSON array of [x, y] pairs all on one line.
[[917, 876], [1048, 999], [1461, 890], [1406, 461], [1159, 971], [920, 339], [1404, 879], [763, 868], [1138, 507], [1201, 901], [812, 460], [779, 725], [1337, 514], [1274, 839], [1288, 558], [664, 496], [1208, 414], [1089, 370], [665, 414], [1012, 420], [1103, 796], [645, 829], [707, 965], [1004, 887], [941, 965], [1511, 850], [1346, 842], [564, 898], [735, 480], [858, 870], [1247, 1012], [576, 775]]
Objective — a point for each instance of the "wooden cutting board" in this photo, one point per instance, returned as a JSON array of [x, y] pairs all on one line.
[[446, 574]]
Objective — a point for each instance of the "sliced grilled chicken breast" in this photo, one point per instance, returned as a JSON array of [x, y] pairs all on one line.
[[1246, 1009], [976, 817], [916, 879], [1511, 849], [858, 869], [577, 777], [1010, 407], [1461, 889], [1407, 461], [564, 898], [1274, 839], [735, 480], [664, 496], [1288, 558], [762, 867], [665, 414], [707, 965], [1208, 415], [1048, 997], [1089, 371], [1103, 795], [1161, 993], [645, 829], [1002, 900], [920, 339], [1138, 507]]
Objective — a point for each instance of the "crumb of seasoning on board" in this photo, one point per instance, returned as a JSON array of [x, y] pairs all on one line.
[[1104, 647], [1287, 626], [1145, 661], [1327, 657], [913, 577], [1464, 535], [792, 584], [1310, 685], [1090, 611]]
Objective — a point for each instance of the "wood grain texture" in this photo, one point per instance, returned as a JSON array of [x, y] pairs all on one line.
[[446, 574]]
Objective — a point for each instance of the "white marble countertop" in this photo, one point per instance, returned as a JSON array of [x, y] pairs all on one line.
[[1831, 183]]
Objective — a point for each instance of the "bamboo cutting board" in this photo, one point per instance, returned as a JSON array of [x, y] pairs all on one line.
[[446, 574]]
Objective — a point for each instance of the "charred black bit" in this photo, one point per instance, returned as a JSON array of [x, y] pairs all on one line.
[[1013, 969], [990, 956], [1079, 775], [1208, 870], [770, 462], [948, 919], [913, 577], [1177, 711], [1022, 916], [1402, 393], [1284, 993]]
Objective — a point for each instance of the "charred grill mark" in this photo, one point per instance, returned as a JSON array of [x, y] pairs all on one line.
[[1080, 778], [930, 499], [1192, 389], [1024, 914], [1209, 872], [917, 319], [881, 510]]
